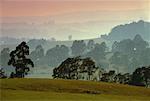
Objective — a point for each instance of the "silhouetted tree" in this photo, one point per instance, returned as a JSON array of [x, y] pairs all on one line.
[[141, 76], [12, 75], [71, 68], [19, 60], [122, 78], [108, 77]]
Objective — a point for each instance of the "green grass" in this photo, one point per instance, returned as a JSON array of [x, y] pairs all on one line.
[[69, 90]]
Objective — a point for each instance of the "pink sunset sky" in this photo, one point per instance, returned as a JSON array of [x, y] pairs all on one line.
[[53, 7]]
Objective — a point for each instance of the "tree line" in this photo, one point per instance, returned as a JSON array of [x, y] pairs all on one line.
[[80, 67], [124, 56]]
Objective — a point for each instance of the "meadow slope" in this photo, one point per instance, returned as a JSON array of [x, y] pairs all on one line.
[[69, 90]]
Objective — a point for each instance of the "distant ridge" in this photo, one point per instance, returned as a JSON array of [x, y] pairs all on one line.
[[127, 31]]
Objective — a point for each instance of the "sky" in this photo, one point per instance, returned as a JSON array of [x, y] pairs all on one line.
[[83, 19]]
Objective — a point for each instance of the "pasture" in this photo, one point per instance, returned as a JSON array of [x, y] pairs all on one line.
[[29, 89]]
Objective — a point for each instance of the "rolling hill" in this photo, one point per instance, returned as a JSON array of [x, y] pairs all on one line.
[[69, 90], [129, 31]]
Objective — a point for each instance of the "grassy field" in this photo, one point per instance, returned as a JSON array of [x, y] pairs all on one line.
[[69, 90]]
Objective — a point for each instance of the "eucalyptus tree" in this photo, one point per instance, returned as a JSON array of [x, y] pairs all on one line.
[[19, 60]]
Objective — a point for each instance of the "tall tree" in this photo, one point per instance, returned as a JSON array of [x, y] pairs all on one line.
[[19, 60]]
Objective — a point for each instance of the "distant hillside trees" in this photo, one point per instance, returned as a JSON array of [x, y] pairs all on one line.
[[144, 57], [125, 46], [129, 31], [119, 60], [37, 54], [52, 57], [56, 55], [4, 57], [78, 47], [125, 56], [35, 42], [19, 60], [98, 52], [90, 45], [139, 43], [130, 53], [129, 46]]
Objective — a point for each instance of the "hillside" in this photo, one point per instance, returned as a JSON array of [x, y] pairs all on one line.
[[129, 31], [69, 90]]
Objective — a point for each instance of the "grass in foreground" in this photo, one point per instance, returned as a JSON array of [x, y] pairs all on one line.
[[69, 90]]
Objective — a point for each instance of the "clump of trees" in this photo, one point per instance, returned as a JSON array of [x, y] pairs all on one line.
[[130, 54], [19, 60], [52, 57], [85, 69], [124, 56], [74, 68], [141, 77]]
